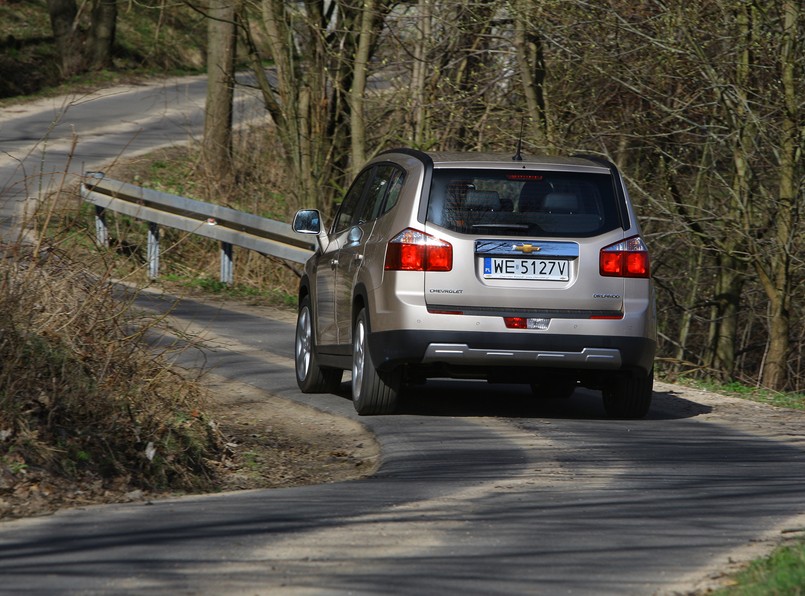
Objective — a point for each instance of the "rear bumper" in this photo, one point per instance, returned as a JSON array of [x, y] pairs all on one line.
[[392, 348]]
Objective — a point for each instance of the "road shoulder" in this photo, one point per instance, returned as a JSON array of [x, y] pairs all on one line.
[[271, 443]]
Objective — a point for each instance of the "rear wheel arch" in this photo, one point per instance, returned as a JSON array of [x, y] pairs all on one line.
[[304, 288], [360, 301]]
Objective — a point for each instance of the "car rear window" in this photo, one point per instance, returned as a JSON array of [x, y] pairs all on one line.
[[518, 203]]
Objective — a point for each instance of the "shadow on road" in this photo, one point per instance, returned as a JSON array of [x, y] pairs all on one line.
[[482, 399]]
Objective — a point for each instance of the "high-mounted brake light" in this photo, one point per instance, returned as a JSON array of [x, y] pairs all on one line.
[[628, 258], [532, 177], [412, 250]]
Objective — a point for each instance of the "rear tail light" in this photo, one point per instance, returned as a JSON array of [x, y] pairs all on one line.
[[412, 250], [540, 323], [628, 258]]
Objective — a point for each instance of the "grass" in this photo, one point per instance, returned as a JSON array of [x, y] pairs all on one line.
[[781, 573], [243, 292], [794, 401]]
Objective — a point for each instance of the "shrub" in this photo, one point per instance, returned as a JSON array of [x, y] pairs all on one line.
[[80, 389]]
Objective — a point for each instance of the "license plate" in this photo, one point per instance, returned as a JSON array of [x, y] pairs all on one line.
[[548, 269]]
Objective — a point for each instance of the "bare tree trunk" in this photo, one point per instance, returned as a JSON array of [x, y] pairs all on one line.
[[776, 280], [63, 15], [102, 34], [358, 90], [687, 314], [729, 285], [217, 143], [698, 199], [530, 54], [420, 68]]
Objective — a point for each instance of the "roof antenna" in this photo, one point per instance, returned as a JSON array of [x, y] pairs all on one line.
[[517, 156]]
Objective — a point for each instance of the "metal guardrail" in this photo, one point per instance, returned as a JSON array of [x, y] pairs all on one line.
[[229, 226]]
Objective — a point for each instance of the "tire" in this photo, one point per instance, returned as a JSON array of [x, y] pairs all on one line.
[[373, 392], [311, 377], [629, 397]]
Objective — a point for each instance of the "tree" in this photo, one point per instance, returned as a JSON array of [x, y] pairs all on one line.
[[217, 141], [419, 71], [63, 21], [310, 92], [82, 48], [456, 55], [101, 34], [530, 52], [358, 90], [701, 104], [775, 271]]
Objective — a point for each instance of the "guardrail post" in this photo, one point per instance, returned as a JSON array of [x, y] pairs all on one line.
[[227, 276], [101, 231], [153, 250]]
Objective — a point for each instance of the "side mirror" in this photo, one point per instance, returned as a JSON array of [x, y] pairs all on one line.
[[307, 221]]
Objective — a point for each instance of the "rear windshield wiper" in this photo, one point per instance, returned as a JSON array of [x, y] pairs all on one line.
[[502, 226]]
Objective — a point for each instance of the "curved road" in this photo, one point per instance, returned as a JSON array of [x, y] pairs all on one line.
[[481, 490], [52, 141]]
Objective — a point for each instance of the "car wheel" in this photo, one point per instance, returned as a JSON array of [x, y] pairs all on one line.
[[311, 377], [373, 392], [629, 397]]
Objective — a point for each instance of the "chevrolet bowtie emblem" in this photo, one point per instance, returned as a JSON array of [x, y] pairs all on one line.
[[526, 248]]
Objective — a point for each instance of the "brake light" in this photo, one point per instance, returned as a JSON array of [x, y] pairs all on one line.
[[412, 250], [516, 322], [628, 258], [535, 177]]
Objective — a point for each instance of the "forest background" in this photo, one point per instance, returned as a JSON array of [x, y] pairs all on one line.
[[699, 103]]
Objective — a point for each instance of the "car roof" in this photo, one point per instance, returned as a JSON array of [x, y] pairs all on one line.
[[445, 159], [497, 160]]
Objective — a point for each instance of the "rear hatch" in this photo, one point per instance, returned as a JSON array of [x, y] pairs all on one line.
[[526, 241]]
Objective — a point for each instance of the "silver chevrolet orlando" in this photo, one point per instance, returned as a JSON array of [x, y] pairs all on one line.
[[529, 270]]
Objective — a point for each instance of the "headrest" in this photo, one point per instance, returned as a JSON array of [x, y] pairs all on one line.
[[560, 202], [482, 200]]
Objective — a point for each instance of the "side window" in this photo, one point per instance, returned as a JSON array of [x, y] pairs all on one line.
[[395, 186], [346, 213], [380, 191], [374, 195]]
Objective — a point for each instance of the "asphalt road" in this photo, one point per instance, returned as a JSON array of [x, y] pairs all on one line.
[[481, 489]]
